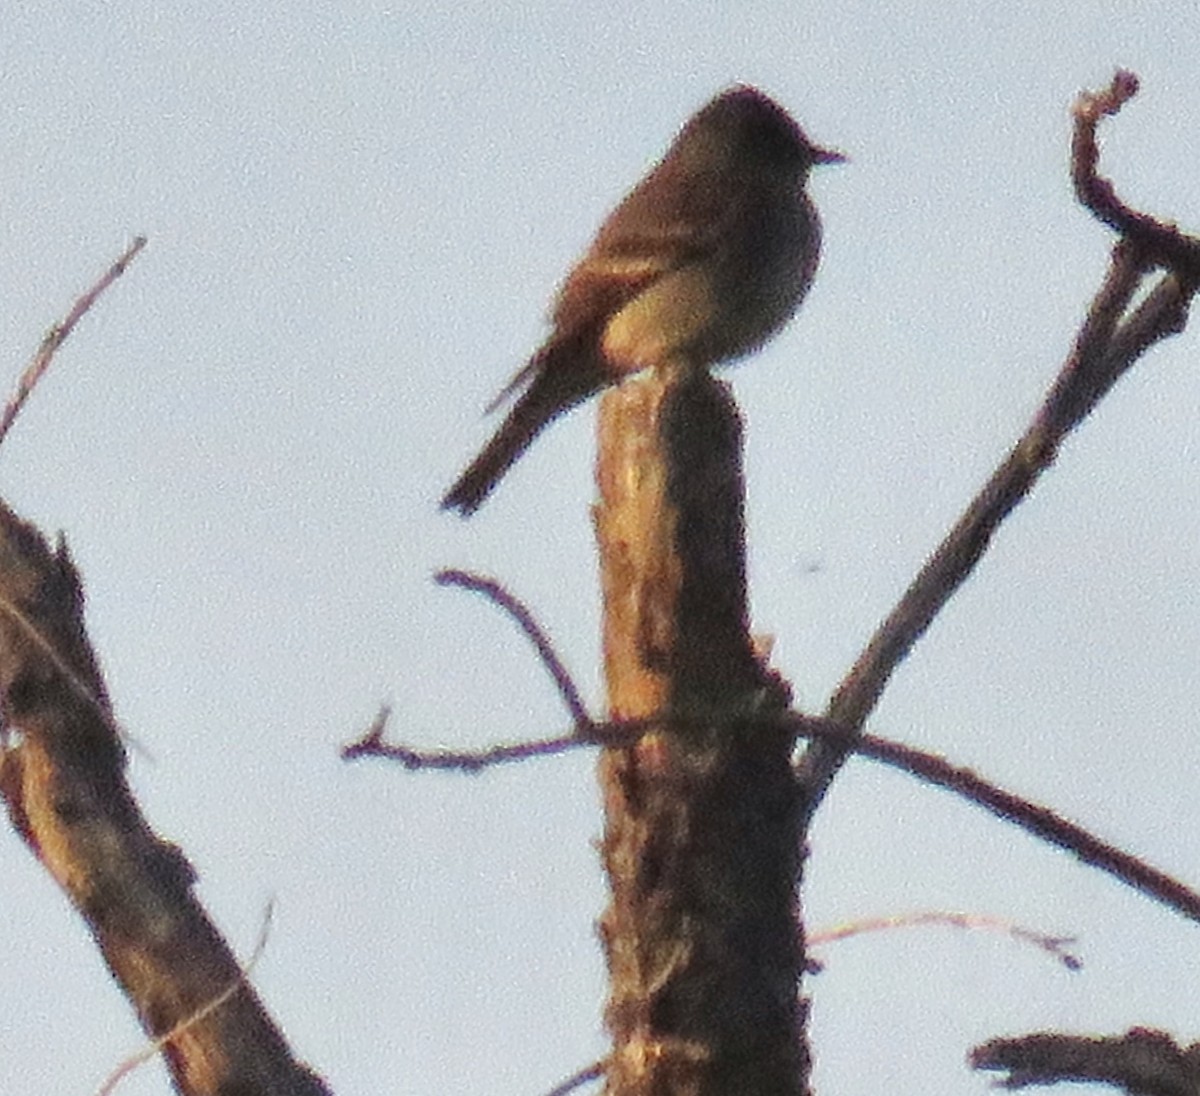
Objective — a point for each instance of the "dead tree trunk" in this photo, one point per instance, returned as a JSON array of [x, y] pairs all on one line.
[[702, 843]]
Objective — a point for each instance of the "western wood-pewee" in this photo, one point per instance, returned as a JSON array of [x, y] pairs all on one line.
[[705, 259]]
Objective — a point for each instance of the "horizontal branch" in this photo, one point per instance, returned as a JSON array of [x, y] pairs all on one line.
[[1141, 1061], [1035, 819]]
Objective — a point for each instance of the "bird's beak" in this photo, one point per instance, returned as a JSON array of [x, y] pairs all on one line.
[[828, 156]]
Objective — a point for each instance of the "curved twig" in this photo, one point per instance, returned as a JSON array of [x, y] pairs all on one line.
[[498, 595], [1163, 242], [1052, 945]]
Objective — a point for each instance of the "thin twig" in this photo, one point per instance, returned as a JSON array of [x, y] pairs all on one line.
[[372, 744], [156, 1045], [465, 761], [58, 334], [589, 1073], [1053, 945], [498, 595]]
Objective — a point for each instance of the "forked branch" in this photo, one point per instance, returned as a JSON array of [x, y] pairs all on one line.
[[1109, 342]]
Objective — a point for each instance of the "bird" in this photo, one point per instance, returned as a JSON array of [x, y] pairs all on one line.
[[703, 262]]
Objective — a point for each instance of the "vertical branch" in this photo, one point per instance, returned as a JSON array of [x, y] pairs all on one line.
[[702, 845]]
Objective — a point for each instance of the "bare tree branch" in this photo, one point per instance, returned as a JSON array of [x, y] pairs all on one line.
[[1052, 945], [589, 1073], [1163, 242], [1035, 819], [158, 1045], [58, 334], [62, 778], [1108, 343], [1142, 1062], [498, 595], [1038, 820]]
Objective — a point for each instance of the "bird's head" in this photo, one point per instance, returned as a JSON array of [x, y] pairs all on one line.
[[749, 125]]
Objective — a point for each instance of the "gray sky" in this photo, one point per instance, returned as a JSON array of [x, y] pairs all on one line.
[[357, 217]]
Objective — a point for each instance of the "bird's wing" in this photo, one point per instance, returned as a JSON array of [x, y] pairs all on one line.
[[674, 217], [663, 224]]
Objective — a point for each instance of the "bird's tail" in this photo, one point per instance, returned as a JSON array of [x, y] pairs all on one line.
[[560, 377]]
